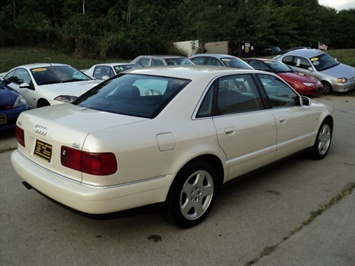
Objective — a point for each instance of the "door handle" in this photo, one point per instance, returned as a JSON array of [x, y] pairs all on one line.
[[229, 130], [282, 119]]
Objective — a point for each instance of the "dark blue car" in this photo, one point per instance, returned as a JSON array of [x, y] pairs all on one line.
[[11, 105]]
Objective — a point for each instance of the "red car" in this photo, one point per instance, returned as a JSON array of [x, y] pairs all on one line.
[[303, 84]]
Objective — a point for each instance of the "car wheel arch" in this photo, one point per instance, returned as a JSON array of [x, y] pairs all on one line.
[[211, 169], [213, 160], [42, 102]]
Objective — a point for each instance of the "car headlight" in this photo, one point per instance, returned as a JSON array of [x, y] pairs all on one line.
[[342, 80], [19, 101], [308, 84], [65, 98]]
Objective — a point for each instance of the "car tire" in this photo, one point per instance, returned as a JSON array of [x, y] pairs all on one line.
[[191, 195], [327, 88], [324, 138]]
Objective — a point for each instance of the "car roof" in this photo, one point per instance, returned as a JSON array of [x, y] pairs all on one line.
[[162, 56], [214, 55], [115, 64], [305, 52], [262, 59], [30, 66], [191, 72]]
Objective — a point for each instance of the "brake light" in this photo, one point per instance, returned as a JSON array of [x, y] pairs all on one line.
[[89, 162], [20, 136]]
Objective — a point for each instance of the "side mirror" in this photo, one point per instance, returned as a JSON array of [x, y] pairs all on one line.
[[305, 101], [105, 77], [310, 69], [25, 86]]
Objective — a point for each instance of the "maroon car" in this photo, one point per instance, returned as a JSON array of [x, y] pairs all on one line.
[[303, 84]]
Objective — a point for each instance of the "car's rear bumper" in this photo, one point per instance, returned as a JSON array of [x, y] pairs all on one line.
[[90, 199]]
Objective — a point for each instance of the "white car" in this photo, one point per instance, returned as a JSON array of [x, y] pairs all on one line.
[[219, 60], [171, 135], [107, 70], [45, 84]]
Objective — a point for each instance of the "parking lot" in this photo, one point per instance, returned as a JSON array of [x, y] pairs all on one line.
[[249, 218]]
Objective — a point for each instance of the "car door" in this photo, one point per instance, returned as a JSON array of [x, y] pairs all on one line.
[[246, 130], [21, 81], [295, 122]]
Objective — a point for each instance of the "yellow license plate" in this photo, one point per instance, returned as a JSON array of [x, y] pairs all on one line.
[[3, 119], [43, 150]]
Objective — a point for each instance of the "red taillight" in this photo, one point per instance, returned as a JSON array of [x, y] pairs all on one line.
[[20, 136], [89, 162]]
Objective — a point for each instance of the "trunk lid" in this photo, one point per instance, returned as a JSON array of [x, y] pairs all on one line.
[[47, 129]]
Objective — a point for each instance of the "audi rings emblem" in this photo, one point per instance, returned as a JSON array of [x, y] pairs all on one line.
[[41, 130]]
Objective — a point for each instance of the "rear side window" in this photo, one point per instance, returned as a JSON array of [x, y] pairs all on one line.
[[231, 95], [288, 60], [157, 62]]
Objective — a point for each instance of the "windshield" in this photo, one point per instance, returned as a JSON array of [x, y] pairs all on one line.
[[132, 94], [323, 62], [57, 74], [235, 62], [278, 67]]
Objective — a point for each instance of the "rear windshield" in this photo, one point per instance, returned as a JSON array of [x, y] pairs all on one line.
[[133, 95]]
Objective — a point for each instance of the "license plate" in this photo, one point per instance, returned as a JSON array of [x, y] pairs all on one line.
[[43, 150], [3, 119]]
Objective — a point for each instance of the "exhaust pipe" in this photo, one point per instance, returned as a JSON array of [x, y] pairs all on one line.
[[28, 186]]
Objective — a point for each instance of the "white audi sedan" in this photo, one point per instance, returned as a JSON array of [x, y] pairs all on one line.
[[44, 84], [168, 135]]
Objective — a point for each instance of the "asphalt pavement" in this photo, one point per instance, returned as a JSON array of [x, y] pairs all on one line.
[[329, 240]]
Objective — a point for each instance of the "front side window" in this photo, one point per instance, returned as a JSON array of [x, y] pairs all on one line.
[[18, 76], [133, 95], [103, 71], [278, 92], [302, 62]]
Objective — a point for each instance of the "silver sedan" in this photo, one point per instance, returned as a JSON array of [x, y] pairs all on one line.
[[334, 75]]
